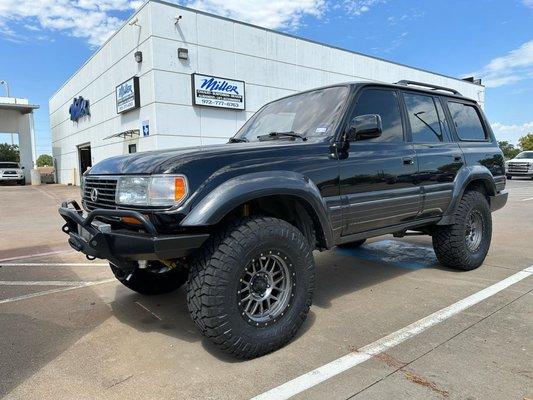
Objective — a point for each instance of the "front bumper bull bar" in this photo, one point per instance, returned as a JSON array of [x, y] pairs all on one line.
[[123, 247]]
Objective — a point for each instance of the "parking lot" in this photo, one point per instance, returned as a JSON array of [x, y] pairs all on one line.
[[68, 330]]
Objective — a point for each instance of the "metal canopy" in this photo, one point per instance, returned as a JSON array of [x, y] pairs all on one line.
[[22, 108], [130, 133]]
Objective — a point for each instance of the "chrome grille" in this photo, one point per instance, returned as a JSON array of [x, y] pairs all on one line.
[[518, 167], [106, 188]]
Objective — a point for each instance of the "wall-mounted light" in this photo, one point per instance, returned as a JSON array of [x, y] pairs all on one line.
[[138, 56], [183, 54]]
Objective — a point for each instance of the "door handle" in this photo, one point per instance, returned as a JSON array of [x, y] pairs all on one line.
[[408, 160]]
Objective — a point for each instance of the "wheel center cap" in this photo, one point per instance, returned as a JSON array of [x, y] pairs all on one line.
[[259, 285]]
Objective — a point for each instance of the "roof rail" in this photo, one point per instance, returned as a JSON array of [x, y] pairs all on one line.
[[428, 85]]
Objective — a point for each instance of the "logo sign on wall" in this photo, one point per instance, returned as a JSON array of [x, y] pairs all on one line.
[[79, 108], [213, 91], [127, 95]]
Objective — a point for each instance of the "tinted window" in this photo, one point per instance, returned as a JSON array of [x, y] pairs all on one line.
[[423, 118], [444, 127], [385, 104], [467, 122]]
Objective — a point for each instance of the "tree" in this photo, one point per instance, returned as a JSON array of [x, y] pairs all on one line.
[[45, 160], [526, 142], [9, 152], [509, 151]]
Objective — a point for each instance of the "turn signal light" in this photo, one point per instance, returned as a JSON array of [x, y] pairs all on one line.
[[130, 220], [180, 188]]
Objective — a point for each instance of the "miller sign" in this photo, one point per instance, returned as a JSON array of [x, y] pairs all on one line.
[[127, 95], [79, 108], [213, 91]]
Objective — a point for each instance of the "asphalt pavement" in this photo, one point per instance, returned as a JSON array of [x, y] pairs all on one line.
[[387, 321]]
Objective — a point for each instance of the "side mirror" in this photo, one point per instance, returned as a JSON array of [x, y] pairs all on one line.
[[364, 127]]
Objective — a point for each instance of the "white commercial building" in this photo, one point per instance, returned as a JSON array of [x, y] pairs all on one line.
[[176, 77]]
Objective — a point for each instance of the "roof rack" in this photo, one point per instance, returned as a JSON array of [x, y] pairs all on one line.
[[428, 85]]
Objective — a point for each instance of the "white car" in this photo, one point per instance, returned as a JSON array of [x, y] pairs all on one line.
[[521, 165], [11, 171]]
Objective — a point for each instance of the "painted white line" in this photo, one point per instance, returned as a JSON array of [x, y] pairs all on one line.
[[44, 283], [320, 374], [51, 291], [49, 253], [154, 314], [531, 198], [55, 264]]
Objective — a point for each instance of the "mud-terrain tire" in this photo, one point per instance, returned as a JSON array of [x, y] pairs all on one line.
[[251, 262], [149, 283], [464, 244], [352, 245]]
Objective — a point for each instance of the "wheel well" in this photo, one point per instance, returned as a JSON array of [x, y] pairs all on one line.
[[292, 209], [480, 185]]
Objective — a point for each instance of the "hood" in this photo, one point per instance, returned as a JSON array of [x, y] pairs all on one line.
[[171, 160], [520, 160]]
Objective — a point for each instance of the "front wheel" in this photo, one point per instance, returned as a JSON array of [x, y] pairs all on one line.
[[251, 286], [465, 244], [153, 280]]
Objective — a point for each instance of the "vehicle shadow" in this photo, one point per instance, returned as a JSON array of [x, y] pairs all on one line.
[[338, 272]]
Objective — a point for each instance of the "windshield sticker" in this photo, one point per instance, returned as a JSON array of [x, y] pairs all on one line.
[[321, 130]]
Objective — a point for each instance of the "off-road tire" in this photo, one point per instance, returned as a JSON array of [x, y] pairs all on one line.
[[352, 245], [450, 242], [215, 280], [150, 283]]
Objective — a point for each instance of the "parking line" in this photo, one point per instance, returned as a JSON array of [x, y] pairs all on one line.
[[43, 283], [51, 291], [55, 265], [48, 253], [327, 371], [531, 198]]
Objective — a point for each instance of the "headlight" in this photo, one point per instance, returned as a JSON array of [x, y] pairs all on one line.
[[157, 190]]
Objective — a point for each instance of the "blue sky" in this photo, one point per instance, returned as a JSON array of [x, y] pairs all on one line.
[[43, 42]]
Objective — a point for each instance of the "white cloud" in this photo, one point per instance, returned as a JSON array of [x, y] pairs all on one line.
[[358, 7], [515, 66], [528, 3], [86, 19], [272, 14], [511, 133]]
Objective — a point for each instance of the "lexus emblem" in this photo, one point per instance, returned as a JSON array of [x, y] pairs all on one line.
[[94, 194]]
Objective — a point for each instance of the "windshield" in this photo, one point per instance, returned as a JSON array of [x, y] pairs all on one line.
[[525, 154], [8, 165], [308, 114]]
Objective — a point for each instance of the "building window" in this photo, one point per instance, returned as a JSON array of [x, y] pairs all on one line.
[[132, 148]]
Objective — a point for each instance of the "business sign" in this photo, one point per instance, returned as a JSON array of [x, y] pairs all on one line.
[[213, 91], [127, 95], [79, 108]]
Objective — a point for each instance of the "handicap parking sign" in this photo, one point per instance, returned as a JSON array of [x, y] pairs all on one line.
[[146, 128]]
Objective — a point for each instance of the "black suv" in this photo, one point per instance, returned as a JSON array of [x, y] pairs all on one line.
[[328, 167]]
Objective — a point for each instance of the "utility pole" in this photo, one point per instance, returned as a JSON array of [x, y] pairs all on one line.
[[7, 87]]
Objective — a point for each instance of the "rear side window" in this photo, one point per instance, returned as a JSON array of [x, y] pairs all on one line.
[[385, 104], [467, 122], [423, 118]]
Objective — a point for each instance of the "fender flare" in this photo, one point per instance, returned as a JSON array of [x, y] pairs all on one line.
[[243, 188], [466, 176]]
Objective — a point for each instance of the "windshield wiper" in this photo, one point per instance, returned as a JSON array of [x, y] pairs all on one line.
[[276, 135], [237, 140]]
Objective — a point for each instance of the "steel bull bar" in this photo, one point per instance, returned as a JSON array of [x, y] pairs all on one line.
[[123, 247]]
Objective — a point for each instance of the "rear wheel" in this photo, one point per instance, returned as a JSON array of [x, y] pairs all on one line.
[[153, 280], [352, 245], [251, 286], [464, 244]]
